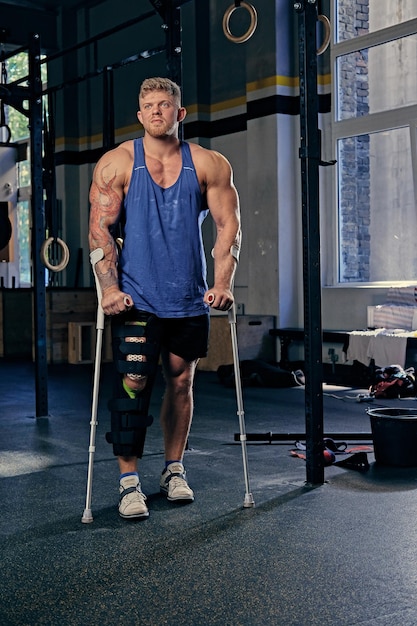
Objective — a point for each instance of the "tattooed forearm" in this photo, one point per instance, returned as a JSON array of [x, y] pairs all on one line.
[[105, 200], [107, 279]]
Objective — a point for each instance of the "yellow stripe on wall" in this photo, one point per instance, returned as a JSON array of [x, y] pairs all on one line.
[[284, 81], [272, 81], [208, 109]]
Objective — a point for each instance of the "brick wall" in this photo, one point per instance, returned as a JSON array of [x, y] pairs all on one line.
[[353, 154]]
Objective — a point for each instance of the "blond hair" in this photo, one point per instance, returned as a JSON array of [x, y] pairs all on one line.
[[160, 84]]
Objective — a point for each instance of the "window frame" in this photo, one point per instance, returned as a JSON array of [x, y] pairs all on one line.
[[401, 117]]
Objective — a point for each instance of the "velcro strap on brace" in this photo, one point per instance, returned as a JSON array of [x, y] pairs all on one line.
[[129, 437], [129, 330], [123, 405], [130, 347], [132, 421], [134, 367]]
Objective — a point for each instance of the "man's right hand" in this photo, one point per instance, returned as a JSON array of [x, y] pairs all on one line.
[[115, 301]]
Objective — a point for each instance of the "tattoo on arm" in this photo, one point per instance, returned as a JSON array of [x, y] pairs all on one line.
[[105, 209], [107, 279]]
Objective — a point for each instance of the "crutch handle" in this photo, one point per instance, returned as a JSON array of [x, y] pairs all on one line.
[[128, 302]]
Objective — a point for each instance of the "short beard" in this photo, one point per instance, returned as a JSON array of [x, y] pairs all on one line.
[[160, 131]]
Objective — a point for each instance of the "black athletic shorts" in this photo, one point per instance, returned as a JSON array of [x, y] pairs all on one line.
[[187, 337]]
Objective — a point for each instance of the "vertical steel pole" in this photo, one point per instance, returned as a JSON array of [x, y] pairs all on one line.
[[310, 161], [174, 42], [108, 109], [38, 231], [174, 48], [171, 14]]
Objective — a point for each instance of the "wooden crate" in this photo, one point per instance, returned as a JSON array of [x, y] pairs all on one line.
[[81, 342], [254, 341], [82, 338], [64, 307]]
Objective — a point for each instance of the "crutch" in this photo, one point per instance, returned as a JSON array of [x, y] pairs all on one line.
[[87, 518], [248, 500]]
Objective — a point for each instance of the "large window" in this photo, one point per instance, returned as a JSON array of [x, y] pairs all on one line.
[[16, 68], [374, 59]]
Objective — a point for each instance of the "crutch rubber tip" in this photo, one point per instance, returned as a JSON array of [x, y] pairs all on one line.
[[87, 517], [248, 502]]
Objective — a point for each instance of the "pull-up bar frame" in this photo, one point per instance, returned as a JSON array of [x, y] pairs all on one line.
[[15, 94], [310, 160]]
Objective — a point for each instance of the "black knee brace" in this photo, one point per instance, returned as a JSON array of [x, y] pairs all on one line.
[[129, 417]]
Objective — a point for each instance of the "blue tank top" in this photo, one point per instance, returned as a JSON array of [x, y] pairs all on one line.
[[162, 264]]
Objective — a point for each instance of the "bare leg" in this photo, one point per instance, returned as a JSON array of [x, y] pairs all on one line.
[[127, 464], [177, 405]]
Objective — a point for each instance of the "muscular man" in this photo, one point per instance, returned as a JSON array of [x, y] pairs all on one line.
[[159, 190]]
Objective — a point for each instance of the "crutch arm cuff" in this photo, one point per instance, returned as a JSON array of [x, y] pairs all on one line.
[[234, 251], [96, 256]]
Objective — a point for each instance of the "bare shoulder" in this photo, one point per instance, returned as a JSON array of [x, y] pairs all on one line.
[[210, 164], [116, 163]]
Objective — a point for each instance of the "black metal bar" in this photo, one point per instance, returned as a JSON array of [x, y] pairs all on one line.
[[49, 185], [14, 95], [170, 13], [12, 53], [145, 54], [270, 437], [38, 231], [104, 34], [108, 109], [310, 157], [174, 48], [174, 44]]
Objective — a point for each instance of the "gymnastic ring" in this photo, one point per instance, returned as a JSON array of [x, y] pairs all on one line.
[[65, 254], [327, 33], [8, 133], [253, 22]]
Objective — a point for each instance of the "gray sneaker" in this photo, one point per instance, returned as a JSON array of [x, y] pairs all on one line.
[[132, 502], [174, 484]]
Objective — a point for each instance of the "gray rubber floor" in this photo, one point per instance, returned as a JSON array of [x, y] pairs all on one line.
[[342, 553]]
